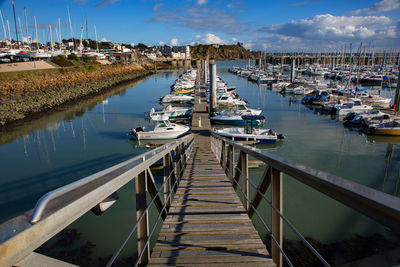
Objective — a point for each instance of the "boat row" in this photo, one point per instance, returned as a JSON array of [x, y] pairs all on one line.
[[181, 93], [356, 105]]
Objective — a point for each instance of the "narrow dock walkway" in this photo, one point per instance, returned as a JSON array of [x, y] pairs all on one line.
[[207, 224]]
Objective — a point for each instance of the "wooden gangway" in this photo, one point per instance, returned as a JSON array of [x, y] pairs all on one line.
[[207, 223]]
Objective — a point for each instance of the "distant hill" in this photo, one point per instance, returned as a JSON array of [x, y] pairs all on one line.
[[220, 51]]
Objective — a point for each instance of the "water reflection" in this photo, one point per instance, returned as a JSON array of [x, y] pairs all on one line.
[[73, 141]]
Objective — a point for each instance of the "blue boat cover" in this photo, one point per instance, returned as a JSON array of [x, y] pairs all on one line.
[[253, 117]]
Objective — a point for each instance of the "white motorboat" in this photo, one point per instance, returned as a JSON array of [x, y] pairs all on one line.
[[176, 98], [162, 129], [234, 117], [355, 106], [249, 134], [170, 112], [301, 90], [226, 99]]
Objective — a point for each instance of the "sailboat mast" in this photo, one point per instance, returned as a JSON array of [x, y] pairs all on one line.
[[97, 41], [20, 29], [70, 26], [15, 22], [26, 27], [87, 32], [59, 33], [51, 39], [37, 38], [4, 28], [80, 45], [9, 32]]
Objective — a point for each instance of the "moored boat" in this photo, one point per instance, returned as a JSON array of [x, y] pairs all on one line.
[[162, 129], [170, 112], [387, 128], [249, 133]]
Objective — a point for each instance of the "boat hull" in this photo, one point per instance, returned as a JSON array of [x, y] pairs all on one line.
[[238, 122], [159, 135], [256, 139], [386, 131]]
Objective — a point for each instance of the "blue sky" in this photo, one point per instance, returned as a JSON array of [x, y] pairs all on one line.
[[258, 24]]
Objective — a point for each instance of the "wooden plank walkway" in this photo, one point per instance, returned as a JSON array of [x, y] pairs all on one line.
[[207, 224]]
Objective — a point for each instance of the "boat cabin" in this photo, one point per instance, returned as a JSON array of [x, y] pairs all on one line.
[[248, 122]]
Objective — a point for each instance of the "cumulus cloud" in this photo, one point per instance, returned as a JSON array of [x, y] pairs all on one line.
[[331, 27], [304, 3], [156, 7], [382, 6], [204, 19], [201, 2], [174, 42], [104, 39], [105, 3], [329, 32], [210, 38], [161, 43]]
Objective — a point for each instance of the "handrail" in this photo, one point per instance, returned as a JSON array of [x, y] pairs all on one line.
[[356, 196], [264, 224], [375, 204], [118, 251], [59, 208], [45, 199], [291, 226]]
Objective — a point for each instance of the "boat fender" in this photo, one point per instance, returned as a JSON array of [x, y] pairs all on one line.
[[139, 129], [280, 136]]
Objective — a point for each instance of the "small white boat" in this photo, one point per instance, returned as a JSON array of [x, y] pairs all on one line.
[[231, 117], [355, 106], [226, 99], [162, 129], [249, 134], [301, 90], [176, 98], [170, 112]]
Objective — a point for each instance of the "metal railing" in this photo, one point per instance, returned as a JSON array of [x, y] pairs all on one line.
[[375, 204], [54, 211]]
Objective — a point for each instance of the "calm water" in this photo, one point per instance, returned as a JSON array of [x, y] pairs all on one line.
[[84, 138]]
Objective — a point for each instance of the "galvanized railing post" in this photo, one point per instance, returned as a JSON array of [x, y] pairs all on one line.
[[143, 225], [222, 160], [231, 161], [167, 176], [276, 219], [176, 163], [245, 183]]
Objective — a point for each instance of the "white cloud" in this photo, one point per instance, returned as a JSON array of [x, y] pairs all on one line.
[[104, 39], [105, 3], [201, 2], [328, 32], [132, 44], [331, 27], [156, 7], [382, 6], [205, 19], [174, 42], [248, 45], [212, 39], [161, 43]]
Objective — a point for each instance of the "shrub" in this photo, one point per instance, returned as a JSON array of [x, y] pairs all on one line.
[[61, 61], [73, 56]]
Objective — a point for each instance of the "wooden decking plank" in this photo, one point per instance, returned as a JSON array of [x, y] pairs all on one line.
[[210, 259]]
